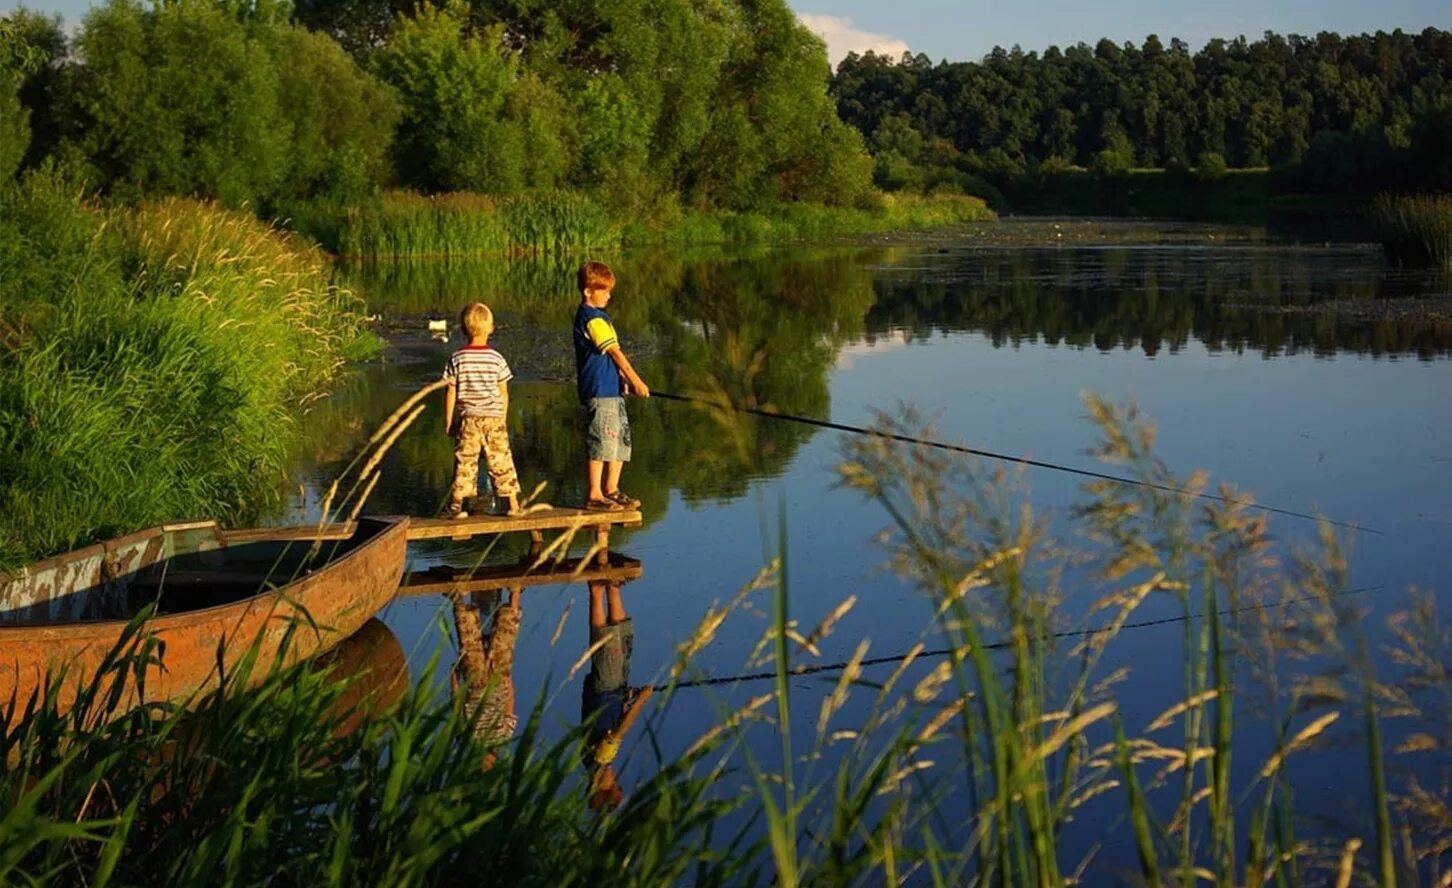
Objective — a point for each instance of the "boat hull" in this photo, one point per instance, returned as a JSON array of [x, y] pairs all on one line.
[[194, 649]]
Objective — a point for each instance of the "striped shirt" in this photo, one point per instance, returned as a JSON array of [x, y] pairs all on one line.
[[477, 371]]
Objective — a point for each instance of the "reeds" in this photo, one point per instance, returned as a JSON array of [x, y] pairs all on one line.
[[162, 381], [404, 224], [1414, 229]]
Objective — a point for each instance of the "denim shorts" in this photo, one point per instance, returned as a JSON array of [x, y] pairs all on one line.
[[608, 437]]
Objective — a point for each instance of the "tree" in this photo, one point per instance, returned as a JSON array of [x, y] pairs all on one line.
[[453, 86], [181, 99], [341, 117]]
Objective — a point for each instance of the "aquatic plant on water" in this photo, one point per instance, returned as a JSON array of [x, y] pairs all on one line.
[[1415, 229]]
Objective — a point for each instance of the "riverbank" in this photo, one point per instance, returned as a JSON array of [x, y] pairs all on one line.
[[407, 225], [153, 361]]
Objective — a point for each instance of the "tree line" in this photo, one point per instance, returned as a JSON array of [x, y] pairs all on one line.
[[1364, 112], [646, 103]]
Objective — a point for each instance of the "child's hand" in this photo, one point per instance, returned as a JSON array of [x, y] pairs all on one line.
[[642, 390]]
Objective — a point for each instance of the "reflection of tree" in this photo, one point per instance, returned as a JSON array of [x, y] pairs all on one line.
[[1269, 300], [760, 333], [762, 330]]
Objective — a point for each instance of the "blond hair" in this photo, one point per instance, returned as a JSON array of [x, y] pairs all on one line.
[[596, 276], [476, 319]]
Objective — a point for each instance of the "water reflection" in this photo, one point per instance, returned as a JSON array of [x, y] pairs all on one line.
[[1276, 300], [487, 608], [483, 675], [609, 704], [767, 328]]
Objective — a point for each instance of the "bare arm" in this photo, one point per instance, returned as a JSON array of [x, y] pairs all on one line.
[[504, 397], [637, 385], [633, 710], [451, 394]]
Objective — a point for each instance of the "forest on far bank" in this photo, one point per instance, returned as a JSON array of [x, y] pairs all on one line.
[[651, 110], [1327, 114]]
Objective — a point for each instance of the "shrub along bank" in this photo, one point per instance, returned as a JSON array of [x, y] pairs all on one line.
[[151, 360], [404, 224]]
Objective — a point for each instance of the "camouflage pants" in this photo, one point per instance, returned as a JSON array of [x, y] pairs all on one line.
[[490, 435]]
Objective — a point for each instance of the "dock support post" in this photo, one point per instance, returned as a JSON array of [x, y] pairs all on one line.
[[602, 541], [536, 543]]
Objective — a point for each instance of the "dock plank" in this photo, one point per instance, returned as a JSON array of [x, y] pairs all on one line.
[[544, 519], [621, 569], [449, 528]]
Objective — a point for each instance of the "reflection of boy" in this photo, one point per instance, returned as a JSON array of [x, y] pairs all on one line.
[[476, 404], [483, 676], [608, 704], [603, 376]]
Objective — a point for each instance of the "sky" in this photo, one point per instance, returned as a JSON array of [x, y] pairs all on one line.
[[965, 30]]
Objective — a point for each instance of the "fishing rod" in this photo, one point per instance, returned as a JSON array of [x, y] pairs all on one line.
[[812, 668], [1004, 457]]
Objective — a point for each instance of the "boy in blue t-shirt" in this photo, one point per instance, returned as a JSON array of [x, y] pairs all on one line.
[[603, 376]]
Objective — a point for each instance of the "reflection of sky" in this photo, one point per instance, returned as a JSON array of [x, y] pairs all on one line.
[[1357, 438]]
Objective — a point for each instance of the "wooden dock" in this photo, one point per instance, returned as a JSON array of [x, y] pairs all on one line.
[[460, 581], [542, 520], [535, 523]]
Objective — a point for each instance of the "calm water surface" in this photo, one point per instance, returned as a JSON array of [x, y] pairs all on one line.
[[1224, 339]]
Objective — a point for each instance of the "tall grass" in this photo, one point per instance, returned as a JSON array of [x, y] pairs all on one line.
[[981, 756], [156, 360], [1414, 229], [405, 224], [797, 222]]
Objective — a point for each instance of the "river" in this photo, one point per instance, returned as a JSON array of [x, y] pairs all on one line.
[[1311, 375]]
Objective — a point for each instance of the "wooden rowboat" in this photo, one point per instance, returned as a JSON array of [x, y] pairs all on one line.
[[216, 593]]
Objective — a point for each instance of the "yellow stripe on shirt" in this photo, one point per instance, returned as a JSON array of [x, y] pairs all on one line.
[[601, 334]]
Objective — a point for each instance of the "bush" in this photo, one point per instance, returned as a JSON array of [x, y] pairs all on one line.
[[1110, 163], [1210, 167]]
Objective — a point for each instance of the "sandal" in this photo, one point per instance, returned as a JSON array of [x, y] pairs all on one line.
[[603, 505], [624, 499]]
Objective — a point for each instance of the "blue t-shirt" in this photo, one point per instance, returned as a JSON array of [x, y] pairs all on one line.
[[596, 375]]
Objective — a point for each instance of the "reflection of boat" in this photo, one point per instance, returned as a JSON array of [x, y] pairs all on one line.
[[373, 664], [215, 592]]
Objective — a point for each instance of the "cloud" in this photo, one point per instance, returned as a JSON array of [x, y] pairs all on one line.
[[842, 38]]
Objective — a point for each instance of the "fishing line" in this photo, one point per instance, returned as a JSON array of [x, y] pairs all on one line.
[[1005, 457], [810, 669]]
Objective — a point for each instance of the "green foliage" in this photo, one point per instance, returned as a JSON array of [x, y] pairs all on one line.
[[180, 99], [1210, 167], [411, 225], [1348, 108], [341, 117], [150, 362], [14, 126], [453, 83]]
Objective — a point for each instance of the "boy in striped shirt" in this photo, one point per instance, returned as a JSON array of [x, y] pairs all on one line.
[[476, 402]]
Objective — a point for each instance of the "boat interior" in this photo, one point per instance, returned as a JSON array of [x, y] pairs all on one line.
[[177, 568]]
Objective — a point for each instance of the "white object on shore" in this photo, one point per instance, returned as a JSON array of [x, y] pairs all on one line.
[[438, 326]]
